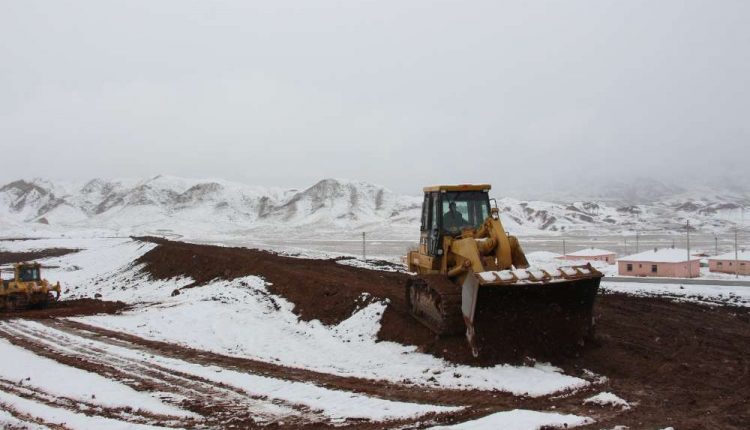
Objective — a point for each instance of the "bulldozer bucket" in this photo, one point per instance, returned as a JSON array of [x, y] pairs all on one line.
[[511, 312]]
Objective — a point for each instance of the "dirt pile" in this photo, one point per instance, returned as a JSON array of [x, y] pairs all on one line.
[[67, 308], [680, 364], [320, 289], [18, 257]]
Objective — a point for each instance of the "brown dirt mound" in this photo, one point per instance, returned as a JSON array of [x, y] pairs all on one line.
[[67, 308], [683, 364], [320, 289], [18, 257]]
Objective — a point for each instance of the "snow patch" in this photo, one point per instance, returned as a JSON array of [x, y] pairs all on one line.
[[520, 419], [607, 399]]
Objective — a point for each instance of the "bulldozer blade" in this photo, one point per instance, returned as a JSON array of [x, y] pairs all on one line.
[[469, 294], [536, 316]]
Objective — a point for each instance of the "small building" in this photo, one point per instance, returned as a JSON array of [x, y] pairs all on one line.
[[667, 263], [592, 254], [731, 263]]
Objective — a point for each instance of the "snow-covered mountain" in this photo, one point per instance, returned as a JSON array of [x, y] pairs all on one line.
[[178, 204], [188, 206], [707, 214]]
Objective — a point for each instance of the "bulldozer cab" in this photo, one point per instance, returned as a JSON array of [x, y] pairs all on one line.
[[28, 272], [446, 210]]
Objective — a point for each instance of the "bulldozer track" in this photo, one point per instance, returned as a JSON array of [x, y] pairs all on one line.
[[436, 302]]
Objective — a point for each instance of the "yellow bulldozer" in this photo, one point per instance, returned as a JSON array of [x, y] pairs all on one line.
[[472, 277], [27, 288]]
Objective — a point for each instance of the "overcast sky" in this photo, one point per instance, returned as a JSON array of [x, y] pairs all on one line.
[[525, 95]]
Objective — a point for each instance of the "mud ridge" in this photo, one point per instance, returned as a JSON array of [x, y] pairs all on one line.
[[7, 257], [67, 308]]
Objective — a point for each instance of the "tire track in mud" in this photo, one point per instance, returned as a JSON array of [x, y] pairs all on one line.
[[477, 402], [83, 407], [220, 405], [27, 420], [223, 406]]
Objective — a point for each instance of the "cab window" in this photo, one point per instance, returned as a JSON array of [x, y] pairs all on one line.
[[28, 274], [464, 209]]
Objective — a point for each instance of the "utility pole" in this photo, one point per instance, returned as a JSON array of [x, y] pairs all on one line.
[[564, 253], [716, 245], [626, 246], [690, 265], [736, 256], [364, 251], [637, 238]]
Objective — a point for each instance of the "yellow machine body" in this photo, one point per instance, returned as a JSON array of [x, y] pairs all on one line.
[[469, 268], [27, 288]]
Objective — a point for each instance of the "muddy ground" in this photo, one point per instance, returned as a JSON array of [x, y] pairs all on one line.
[[66, 308], [681, 364], [7, 257]]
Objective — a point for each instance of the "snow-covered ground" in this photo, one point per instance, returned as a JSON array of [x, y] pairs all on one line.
[[237, 318], [59, 380], [334, 404], [240, 318], [221, 312], [705, 294]]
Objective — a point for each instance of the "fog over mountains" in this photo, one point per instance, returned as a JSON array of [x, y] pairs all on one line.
[[336, 206]]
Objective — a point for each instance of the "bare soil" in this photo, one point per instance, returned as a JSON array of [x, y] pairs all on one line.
[[680, 364], [19, 257]]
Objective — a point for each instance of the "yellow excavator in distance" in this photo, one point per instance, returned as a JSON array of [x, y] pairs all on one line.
[[473, 277], [27, 288]]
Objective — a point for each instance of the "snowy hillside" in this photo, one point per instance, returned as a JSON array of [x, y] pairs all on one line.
[[165, 204], [184, 205]]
